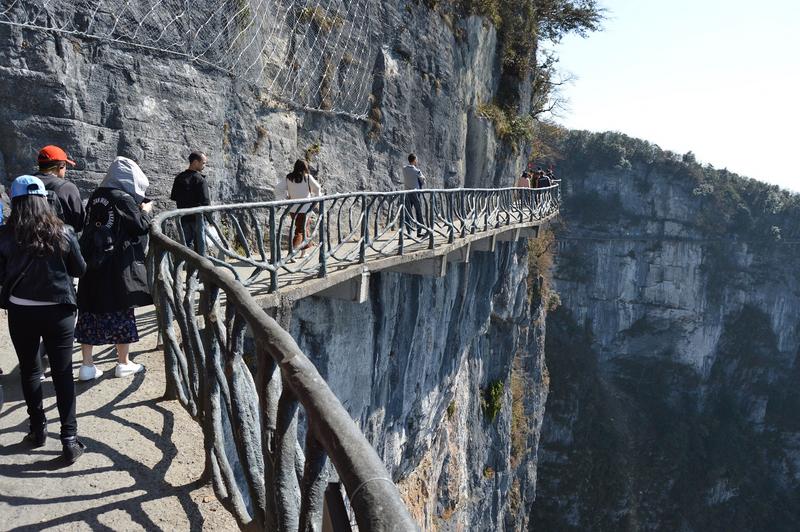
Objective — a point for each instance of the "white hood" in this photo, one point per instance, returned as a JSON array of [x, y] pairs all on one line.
[[125, 175]]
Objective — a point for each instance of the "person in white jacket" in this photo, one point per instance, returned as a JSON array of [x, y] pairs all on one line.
[[301, 184]]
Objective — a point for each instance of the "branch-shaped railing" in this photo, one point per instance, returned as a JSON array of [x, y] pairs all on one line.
[[247, 397], [254, 240]]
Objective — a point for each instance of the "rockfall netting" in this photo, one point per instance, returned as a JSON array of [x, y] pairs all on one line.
[[312, 54]]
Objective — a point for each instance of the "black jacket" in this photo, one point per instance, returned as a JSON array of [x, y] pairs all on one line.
[[121, 282], [190, 189], [39, 278], [70, 199]]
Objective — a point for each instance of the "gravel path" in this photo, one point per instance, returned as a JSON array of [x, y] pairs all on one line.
[[143, 460]]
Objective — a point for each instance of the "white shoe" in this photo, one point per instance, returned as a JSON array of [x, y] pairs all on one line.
[[87, 373], [126, 370]]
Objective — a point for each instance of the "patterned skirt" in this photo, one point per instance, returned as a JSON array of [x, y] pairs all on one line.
[[107, 328]]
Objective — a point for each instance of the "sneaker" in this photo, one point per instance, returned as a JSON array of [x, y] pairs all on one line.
[[72, 449], [36, 437], [126, 370], [87, 373]]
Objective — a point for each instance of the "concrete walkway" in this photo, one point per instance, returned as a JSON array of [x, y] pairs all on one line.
[[143, 461]]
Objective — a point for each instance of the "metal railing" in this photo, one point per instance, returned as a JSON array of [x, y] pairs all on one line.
[[254, 240], [247, 397]]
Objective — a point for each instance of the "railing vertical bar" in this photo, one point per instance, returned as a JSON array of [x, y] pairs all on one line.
[[274, 251], [323, 236], [362, 252], [432, 221]]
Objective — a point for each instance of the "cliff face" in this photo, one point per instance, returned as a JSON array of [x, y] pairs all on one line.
[[674, 356], [445, 376], [99, 99]]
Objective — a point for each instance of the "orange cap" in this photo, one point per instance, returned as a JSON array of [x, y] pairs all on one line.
[[52, 153]]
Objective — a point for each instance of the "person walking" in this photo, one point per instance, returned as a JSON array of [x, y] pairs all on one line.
[[301, 184], [113, 245], [190, 189], [413, 179], [63, 196], [66, 199], [39, 256]]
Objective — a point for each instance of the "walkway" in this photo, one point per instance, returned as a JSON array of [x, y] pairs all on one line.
[[143, 461]]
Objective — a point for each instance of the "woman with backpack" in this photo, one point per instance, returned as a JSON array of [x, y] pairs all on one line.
[[113, 243], [301, 184], [39, 256]]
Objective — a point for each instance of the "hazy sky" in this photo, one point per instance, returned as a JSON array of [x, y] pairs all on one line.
[[718, 77]]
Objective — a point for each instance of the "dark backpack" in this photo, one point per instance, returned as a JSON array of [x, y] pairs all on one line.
[[52, 197], [99, 238]]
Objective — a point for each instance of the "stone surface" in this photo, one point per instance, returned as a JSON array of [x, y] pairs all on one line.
[[143, 461]]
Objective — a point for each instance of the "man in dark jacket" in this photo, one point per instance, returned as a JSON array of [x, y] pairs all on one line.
[[190, 189], [53, 163]]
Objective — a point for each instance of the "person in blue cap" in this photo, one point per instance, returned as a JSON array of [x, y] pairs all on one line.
[[39, 256]]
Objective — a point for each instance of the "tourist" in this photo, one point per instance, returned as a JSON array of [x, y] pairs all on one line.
[[524, 181], [63, 196], [300, 184], [39, 256], [413, 179], [115, 283], [66, 199], [543, 180], [190, 189]]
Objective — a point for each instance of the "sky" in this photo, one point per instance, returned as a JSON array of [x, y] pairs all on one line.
[[720, 78]]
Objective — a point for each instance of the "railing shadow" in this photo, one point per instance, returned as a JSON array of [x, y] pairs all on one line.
[[151, 479]]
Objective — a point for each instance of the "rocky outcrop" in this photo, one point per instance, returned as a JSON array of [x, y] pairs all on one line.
[[674, 355]]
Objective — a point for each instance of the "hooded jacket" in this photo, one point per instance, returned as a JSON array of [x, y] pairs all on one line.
[[121, 282]]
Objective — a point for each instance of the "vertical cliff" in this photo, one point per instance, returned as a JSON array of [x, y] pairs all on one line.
[[674, 356], [446, 377]]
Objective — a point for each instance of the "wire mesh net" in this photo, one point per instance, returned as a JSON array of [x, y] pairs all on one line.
[[313, 54]]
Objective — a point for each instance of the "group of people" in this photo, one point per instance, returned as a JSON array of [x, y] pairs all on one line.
[[537, 179], [49, 240], [52, 238]]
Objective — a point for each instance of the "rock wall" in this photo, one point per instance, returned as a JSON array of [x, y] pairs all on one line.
[[99, 99], [674, 356], [415, 365]]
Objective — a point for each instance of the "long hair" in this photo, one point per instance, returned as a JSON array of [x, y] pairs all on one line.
[[299, 172], [36, 227]]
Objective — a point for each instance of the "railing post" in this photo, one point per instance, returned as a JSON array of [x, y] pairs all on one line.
[[200, 235], [323, 233], [274, 251], [463, 215], [486, 212], [362, 252], [431, 220], [402, 227]]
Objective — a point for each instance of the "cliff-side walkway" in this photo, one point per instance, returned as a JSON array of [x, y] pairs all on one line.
[[143, 461]]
